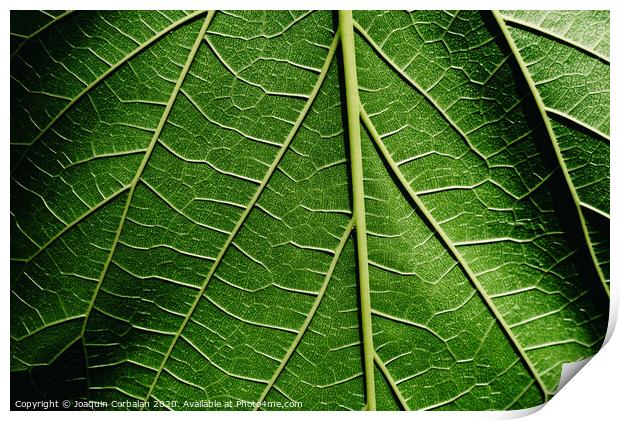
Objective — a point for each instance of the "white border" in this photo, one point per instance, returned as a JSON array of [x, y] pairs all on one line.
[[315, 4], [592, 394]]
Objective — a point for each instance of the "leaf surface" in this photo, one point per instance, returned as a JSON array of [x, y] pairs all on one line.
[[376, 210]]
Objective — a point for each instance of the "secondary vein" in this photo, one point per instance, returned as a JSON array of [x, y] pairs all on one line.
[[149, 151], [572, 120], [390, 380], [315, 306], [27, 38], [453, 250], [428, 98], [245, 214], [76, 221], [102, 77], [527, 26], [558, 153]]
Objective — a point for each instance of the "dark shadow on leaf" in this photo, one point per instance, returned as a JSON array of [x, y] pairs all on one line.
[[63, 379]]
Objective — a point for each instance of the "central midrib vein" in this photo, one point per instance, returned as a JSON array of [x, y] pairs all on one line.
[[347, 42]]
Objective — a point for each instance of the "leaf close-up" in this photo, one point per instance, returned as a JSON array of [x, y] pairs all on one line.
[[379, 210]]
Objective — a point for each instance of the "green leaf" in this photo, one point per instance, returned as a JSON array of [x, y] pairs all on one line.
[[368, 210]]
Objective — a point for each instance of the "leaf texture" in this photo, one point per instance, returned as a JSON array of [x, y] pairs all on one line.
[[367, 210]]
